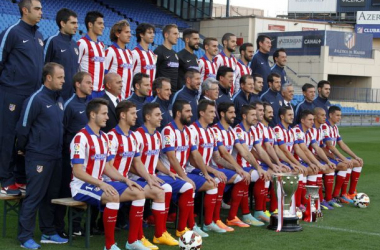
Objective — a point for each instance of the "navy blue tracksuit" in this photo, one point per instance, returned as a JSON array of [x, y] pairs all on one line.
[[304, 105], [224, 96], [239, 100], [322, 103], [276, 101], [188, 95], [40, 136], [260, 65], [64, 50], [166, 113], [21, 63], [281, 71], [139, 101]]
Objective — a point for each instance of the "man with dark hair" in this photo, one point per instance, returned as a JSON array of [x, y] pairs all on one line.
[[243, 97], [162, 91], [119, 58], [43, 111], [225, 76], [62, 49], [260, 64], [257, 87], [225, 57], [189, 92], [21, 63], [113, 85], [322, 99], [187, 58], [207, 66], [142, 88], [167, 58], [144, 60], [242, 67], [273, 96], [279, 59], [308, 91], [92, 51]]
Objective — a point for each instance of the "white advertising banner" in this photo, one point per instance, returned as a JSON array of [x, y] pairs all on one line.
[[368, 17], [312, 6]]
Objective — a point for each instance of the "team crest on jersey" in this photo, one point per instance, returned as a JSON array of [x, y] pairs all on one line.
[[40, 168], [240, 136], [76, 51], [76, 146], [167, 140], [40, 41], [60, 105], [12, 107]]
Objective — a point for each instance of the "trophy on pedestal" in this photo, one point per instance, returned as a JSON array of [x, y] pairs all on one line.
[[286, 220], [313, 211]]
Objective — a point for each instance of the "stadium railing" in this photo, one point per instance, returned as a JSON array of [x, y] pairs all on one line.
[[351, 94]]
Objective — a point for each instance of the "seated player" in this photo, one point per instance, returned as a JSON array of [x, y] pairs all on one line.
[[90, 152], [177, 149]]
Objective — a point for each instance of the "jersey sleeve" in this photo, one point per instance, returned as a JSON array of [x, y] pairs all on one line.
[[168, 140], [113, 144], [136, 144], [7, 43], [201, 67], [338, 138], [240, 135], [256, 139], [325, 133], [279, 135], [48, 50], [135, 61], [218, 62], [218, 137], [298, 136], [82, 49], [110, 57], [78, 149], [235, 138]]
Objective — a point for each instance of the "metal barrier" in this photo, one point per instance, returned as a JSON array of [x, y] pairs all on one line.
[[360, 120], [355, 94]]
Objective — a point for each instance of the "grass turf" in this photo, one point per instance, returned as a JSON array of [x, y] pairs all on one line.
[[343, 228]]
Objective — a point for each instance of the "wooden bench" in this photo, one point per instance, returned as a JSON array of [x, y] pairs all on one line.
[[11, 203], [73, 213]]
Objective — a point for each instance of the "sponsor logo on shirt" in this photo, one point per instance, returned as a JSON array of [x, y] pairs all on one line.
[[173, 65], [150, 67], [99, 157], [182, 148], [127, 154], [152, 152], [98, 59], [126, 66]]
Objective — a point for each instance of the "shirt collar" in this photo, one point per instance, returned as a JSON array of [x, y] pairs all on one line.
[[117, 46], [112, 97], [206, 58], [200, 125], [89, 38], [224, 54], [89, 130], [282, 126], [120, 131], [141, 48], [241, 62], [28, 26]]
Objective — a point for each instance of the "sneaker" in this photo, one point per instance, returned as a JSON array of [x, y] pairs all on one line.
[[225, 205], [344, 200], [326, 206], [250, 220], [274, 212], [180, 233], [113, 247], [334, 203], [267, 213], [53, 239], [11, 190], [236, 222], [79, 232], [30, 244], [21, 187], [199, 231], [221, 225], [213, 227], [261, 216], [351, 196], [148, 244], [137, 245], [63, 235], [165, 239]]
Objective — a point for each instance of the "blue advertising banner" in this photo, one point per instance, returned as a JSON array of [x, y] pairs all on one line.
[[368, 29], [347, 44]]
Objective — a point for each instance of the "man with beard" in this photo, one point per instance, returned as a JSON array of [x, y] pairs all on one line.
[[308, 91], [260, 64], [226, 58], [162, 91], [207, 67], [246, 54], [243, 97], [322, 100], [279, 59], [187, 58], [178, 149], [167, 58], [273, 96]]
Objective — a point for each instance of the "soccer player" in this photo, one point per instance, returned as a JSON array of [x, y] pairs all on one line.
[[207, 66], [187, 58], [167, 58], [242, 67], [331, 138], [62, 49], [322, 99], [243, 96], [92, 51], [260, 64], [225, 76], [189, 92], [308, 91], [119, 58], [162, 91], [226, 57], [21, 63], [43, 111], [279, 59], [273, 96], [144, 60], [113, 85], [90, 156], [178, 148]]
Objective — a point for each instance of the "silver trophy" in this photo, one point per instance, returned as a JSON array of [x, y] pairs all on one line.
[[312, 193]]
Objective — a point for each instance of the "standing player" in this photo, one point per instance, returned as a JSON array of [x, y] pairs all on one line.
[[242, 67], [119, 58], [62, 49], [92, 51], [260, 64], [90, 154], [207, 66], [322, 99], [226, 58], [167, 58], [21, 63], [144, 60], [162, 91], [243, 97], [273, 96], [279, 59]]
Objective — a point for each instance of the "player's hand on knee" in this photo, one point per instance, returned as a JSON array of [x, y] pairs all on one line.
[[221, 176], [108, 189]]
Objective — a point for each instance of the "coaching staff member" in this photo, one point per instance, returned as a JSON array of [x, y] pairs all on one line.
[[40, 136]]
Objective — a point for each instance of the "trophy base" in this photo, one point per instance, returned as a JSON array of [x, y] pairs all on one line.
[[290, 224]]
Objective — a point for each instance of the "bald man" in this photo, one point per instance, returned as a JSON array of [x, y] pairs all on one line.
[[112, 85]]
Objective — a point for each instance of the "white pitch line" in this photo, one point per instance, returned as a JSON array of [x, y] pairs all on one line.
[[343, 230]]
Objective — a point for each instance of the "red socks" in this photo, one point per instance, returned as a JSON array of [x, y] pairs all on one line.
[[219, 198], [236, 196], [186, 205], [158, 210], [135, 219], [354, 179], [168, 198], [259, 194], [209, 205], [109, 221], [346, 181], [320, 185], [244, 206], [341, 176]]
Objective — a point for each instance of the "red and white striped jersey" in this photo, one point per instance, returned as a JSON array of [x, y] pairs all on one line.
[[317, 135], [92, 152], [241, 70], [222, 60], [259, 128], [285, 136], [245, 137], [330, 133], [149, 146], [91, 60], [180, 141], [269, 135], [144, 62], [207, 68], [303, 137], [120, 61]]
